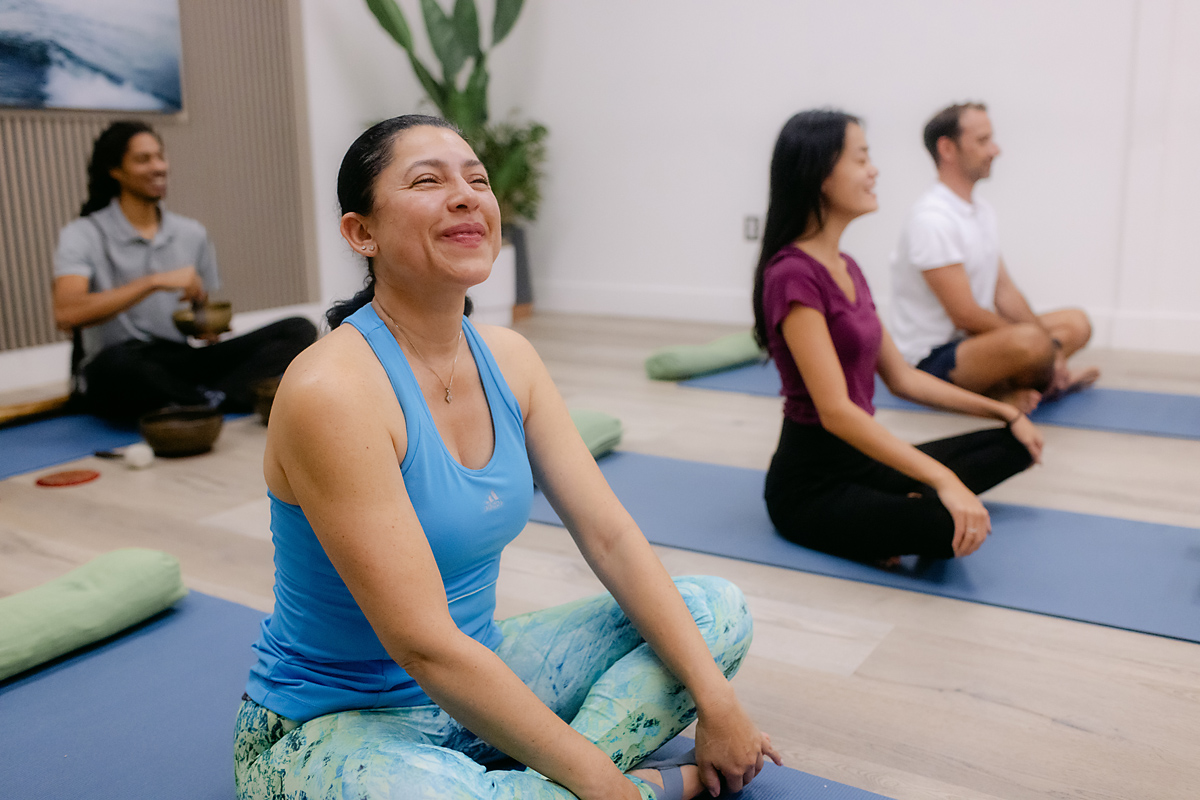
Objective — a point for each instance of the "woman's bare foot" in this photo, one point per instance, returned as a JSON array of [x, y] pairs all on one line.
[[1026, 400], [889, 563], [689, 772]]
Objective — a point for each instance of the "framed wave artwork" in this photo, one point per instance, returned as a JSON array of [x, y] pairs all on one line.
[[104, 55]]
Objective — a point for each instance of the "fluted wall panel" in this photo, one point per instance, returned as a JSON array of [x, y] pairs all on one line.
[[235, 166]]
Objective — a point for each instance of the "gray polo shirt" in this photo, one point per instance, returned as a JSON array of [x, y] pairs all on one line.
[[106, 248]]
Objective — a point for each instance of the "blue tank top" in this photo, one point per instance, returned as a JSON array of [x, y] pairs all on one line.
[[317, 653]]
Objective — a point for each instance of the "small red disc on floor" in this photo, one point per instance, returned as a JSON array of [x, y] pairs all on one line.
[[72, 477]]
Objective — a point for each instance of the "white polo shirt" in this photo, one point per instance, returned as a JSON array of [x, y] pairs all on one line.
[[941, 230]]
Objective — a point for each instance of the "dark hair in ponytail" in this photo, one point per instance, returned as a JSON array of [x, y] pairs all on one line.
[[369, 156], [107, 154], [805, 153]]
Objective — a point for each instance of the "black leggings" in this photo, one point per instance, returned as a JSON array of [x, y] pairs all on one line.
[[824, 494], [130, 379]]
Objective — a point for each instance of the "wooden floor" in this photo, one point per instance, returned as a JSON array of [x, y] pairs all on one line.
[[904, 694]]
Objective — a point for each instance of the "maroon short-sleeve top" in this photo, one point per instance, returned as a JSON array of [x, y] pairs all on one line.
[[792, 277]]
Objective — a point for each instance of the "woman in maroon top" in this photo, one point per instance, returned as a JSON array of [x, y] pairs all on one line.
[[839, 481]]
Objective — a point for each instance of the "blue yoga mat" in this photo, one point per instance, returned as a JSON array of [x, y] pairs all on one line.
[[779, 783], [145, 715], [150, 714], [1135, 575], [49, 442], [1117, 410]]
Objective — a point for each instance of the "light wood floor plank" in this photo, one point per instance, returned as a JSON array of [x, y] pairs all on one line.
[[905, 694]]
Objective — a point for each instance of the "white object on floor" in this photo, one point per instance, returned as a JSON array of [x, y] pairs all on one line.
[[139, 455]]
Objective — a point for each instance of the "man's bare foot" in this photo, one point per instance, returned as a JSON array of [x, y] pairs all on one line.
[[889, 563], [689, 772], [1026, 400], [1082, 379], [1071, 381]]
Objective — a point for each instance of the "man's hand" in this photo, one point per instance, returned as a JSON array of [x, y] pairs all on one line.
[[185, 281], [729, 745]]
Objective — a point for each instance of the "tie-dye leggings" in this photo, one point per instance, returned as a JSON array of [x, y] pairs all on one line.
[[584, 660]]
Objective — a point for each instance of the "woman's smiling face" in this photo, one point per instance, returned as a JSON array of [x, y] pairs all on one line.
[[434, 213], [850, 188]]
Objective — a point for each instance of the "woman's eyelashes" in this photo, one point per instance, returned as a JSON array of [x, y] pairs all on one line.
[[433, 180]]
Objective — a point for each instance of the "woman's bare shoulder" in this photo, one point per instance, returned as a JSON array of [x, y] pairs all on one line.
[[340, 369], [518, 361], [334, 397], [507, 345]]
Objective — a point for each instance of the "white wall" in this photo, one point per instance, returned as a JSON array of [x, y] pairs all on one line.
[[663, 116], [357, 75], [663, 113]]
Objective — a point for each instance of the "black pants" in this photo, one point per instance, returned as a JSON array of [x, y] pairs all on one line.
[[132, 378], [824, 494]]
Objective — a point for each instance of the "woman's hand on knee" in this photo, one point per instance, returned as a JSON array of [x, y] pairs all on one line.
[[1027, 434], [730, 746], [971, 521]]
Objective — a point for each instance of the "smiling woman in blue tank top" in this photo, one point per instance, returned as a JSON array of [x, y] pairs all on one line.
[[400, 461]]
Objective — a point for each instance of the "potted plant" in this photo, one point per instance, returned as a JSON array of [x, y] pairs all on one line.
[[513, 152]]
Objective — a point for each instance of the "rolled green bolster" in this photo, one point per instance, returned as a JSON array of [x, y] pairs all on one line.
[[104, 596], [600, 432], [689, 360]]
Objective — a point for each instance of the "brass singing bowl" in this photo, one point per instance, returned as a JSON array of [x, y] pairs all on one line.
[[210, 318], [183, 431]]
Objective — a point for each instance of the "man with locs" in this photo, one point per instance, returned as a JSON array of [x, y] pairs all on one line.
[[120, 272], [956, 311]]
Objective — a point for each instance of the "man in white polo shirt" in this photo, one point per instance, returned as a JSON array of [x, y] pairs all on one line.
[[956, 312]]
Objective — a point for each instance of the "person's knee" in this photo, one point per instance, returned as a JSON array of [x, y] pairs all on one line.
[[719, 608], [117, 362], [304, 329], [299, 330], [1079, 329], [1031, 347]]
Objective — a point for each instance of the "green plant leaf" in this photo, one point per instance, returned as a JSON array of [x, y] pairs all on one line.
[[392, 19], [514, 156], [436, 91], [466, 22], [507, 12], [444, 38], [475, 99]]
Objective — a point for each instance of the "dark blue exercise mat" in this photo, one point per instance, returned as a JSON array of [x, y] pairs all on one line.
[[1117, 410], [145, 715], [149, 714], [778, 783], [49, 442], [1135, 575]]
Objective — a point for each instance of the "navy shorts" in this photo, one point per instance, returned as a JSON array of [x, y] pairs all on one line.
[[941, 360]]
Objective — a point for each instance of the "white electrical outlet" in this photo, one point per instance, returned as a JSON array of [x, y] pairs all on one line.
[[750, 228]]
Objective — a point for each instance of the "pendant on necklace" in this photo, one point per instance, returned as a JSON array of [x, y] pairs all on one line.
[[449, 397]]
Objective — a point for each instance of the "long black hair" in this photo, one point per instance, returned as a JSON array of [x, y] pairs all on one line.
[[366, 159], [107, 154], [805, 153]]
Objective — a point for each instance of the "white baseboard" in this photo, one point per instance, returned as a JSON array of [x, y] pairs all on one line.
[[1155, 331], [31, 367], [646, 300]]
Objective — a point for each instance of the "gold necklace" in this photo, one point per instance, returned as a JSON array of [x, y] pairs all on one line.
[[453, 364]]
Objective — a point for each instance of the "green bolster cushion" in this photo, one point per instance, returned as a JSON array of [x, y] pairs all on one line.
[[601, 432], [689, 360], [104, 596]]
